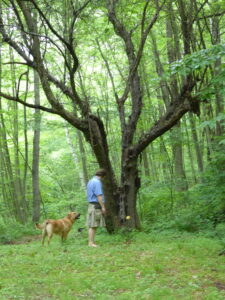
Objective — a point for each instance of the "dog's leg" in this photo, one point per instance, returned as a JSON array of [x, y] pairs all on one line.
[[49, 238], [64, 236], [49, 232], [44, 234]]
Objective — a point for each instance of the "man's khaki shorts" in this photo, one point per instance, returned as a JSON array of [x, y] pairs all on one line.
[[95, 217]]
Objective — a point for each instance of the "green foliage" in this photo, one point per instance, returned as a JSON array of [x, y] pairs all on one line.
[[209, 196], [154, 201], [198, 60], [220, 230], [190, 221], [13, 230], [213, 122]]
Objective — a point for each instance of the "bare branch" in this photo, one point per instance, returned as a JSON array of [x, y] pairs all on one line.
[[20, 23], [182, 104], [68, 45], [120, 107], [15, 63], [144, 37], [6, 38], [17, 99], [133, 84], [144, 16], [18, 86], [219, 14], [134, 60]]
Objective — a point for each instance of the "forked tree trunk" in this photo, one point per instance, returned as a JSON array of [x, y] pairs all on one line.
[[96, 137]]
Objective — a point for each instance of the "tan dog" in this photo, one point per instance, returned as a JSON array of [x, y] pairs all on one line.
[[61, 227]]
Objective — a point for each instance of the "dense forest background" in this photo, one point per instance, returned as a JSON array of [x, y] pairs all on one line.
[[136, 87]]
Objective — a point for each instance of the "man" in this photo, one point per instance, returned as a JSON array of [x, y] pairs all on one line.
[[96, 208]]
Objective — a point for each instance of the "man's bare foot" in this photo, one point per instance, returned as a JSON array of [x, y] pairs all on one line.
[[92, 245]]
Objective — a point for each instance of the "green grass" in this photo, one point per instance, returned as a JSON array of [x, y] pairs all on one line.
[[134, 266]]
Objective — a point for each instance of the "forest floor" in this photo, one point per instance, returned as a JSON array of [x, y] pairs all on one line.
[[132, 266]]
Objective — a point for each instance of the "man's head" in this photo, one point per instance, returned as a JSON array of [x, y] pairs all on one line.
[[101, 173]]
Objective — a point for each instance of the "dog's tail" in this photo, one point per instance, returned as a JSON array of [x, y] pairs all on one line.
[[40, 226]]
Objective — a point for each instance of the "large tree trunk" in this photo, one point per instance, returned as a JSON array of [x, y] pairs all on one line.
[[130, 184], [98, 142]]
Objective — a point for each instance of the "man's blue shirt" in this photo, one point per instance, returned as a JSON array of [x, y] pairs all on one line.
[[94, 189]]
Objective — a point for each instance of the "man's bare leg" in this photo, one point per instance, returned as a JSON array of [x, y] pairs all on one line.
[[91, 237]]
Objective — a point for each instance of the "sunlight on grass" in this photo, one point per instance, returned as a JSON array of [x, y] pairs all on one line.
[[135, 266]]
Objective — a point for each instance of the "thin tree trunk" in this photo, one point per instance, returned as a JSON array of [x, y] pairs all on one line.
[[190, 154], [36, 153], [146, 164], [153, 163], [26, 148], [171, 92], [196, 143], [6, 181], [83, 180], [173, 53], [83, 158], [218, 86], [18, 189]]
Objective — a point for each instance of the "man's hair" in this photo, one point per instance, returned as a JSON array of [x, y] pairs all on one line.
[[101, 173]]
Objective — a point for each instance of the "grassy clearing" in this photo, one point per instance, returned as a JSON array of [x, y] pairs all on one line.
[[137, 266]]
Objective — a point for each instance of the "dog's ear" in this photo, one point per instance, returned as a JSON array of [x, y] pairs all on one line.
[[69, 215]]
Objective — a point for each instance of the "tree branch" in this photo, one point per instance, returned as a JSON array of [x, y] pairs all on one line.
[[68, 45], [219, 14], [17, 99], [184, 103], [120, 107], [133, 81], [134, 60], [66, 115]]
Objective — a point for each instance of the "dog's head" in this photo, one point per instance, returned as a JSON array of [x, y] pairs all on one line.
[[73, 216]]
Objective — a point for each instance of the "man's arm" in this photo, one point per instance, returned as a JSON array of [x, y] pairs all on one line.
[[100, 201]]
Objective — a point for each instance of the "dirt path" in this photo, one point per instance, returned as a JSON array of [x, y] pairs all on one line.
[[23, 240]]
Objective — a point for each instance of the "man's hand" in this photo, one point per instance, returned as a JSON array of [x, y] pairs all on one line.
[[103, 210], [100, 201]]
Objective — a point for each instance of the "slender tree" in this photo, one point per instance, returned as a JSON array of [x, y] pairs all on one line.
[[36, 152]]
